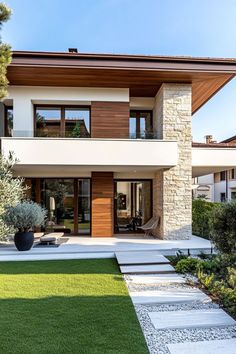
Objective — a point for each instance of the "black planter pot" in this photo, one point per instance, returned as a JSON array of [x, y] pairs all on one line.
[[24, 240]]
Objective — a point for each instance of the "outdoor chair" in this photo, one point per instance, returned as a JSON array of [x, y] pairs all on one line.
[[150, 226]]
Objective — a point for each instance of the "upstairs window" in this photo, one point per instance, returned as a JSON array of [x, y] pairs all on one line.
[[233, 173], [140, 125], [62, 121], [223, 175], [8, 125]]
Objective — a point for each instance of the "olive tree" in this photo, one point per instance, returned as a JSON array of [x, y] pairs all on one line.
[[12, 190]]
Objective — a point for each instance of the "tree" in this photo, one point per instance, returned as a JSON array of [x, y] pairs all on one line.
[[223, 228], [11, 190], [5, 52]]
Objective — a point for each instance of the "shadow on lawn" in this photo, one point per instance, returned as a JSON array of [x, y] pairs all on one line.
[[81, 266], [73, 324]]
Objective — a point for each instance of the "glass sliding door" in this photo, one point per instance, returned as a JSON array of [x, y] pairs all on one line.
[[77, 123], [62, 121], [67, 201], [140, 125], [84, 212], [57, 196], [133, 204], [48, 122]]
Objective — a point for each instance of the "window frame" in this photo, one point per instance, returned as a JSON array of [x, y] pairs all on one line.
[[138, 116], [62, 116], [6, 108], [223, 173]]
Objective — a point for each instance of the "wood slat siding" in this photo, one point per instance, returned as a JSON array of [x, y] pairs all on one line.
[[110, 120], [102, 204]]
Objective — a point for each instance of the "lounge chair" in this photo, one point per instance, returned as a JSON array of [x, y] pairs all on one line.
[[150, 226]]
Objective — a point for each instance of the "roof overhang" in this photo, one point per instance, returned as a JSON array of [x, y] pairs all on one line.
[[143, 75]]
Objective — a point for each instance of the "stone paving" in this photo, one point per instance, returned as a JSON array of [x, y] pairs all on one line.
[[176, 317]]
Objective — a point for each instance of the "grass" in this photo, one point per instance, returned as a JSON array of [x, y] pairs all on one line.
[[79, 306]]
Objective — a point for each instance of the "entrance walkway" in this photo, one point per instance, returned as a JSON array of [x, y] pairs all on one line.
[[176, 318]]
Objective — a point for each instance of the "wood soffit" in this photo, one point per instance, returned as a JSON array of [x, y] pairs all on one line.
[[143, 75]]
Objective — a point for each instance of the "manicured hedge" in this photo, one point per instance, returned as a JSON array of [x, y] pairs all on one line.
[[201, 214]]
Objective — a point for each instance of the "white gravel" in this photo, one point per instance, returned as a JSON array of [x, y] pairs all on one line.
[[157, 340]]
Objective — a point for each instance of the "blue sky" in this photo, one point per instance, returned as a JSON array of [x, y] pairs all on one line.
[[166, 27]]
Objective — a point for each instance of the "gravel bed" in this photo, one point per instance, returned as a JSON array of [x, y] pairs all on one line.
[[138, 287], [157, 340]]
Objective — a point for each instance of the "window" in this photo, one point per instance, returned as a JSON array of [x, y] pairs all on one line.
[[233, 195], [223, 175], [8, 121], [233, 173], [222, 197], [140, 125], [69, 122]]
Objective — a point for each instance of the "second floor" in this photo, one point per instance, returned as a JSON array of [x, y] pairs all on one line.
[[76, 95]]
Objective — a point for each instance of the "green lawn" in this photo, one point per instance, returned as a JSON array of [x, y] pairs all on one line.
[[79, 306]]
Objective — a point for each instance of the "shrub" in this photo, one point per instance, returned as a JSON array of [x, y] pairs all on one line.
[[189, 265], [217, 274], [25, 216], [201, 215], [223, 228]]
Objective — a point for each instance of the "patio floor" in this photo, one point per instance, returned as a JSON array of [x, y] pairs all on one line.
[[103, 247]]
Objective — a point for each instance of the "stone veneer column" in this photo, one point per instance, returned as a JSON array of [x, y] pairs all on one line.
[[172, 197]]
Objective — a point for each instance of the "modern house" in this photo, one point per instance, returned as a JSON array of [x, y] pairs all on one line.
[[105, 141], [219, 186]]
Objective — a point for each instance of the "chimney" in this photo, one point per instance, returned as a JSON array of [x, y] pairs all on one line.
[[72, 50], [209, 139]]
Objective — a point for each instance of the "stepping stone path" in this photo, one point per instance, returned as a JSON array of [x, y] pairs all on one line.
[[171, 278], [227, 346], [191, 319], [142, 269], [170, 296], [149, 257], [152, 284]]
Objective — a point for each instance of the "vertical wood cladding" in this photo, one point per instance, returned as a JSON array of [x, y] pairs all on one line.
[[102, 204], [110, 120]]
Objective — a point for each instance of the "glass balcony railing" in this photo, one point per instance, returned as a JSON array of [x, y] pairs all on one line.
[[78, 134], [144, 135]]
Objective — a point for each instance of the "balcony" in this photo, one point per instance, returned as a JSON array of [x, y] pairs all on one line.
[[207, 160], [92, 154]]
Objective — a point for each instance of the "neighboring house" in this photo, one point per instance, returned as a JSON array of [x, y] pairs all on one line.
[[219, 186], [105, 142]]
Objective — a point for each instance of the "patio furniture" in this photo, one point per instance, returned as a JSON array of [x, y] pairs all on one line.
[[150, 226], [52, 238]]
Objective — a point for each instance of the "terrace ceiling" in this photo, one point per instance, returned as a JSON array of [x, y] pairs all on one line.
[[143, 75]]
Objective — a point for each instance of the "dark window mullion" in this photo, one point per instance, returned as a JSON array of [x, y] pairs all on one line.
[[63, 124]]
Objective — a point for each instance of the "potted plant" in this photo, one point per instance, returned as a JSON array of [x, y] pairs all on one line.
[[24, 217]]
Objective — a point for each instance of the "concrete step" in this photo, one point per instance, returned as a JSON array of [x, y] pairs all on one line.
[[169, 296], [226, 346], [191, 319], [148, 257], [157, 279], [151, 268]]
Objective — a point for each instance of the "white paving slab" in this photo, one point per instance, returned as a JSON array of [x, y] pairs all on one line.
[[156, 279], [168, 296], [191, 319], [141, 258], [226, 346], [152, 268]]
